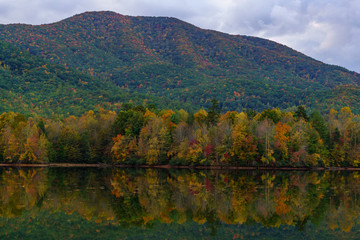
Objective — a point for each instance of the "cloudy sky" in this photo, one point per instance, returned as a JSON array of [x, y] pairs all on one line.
[[327, 30]]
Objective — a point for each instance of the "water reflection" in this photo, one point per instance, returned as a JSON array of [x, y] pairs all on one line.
[[216, 200]]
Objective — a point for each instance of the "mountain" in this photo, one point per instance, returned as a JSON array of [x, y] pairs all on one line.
[[160, 56], [32, 85]]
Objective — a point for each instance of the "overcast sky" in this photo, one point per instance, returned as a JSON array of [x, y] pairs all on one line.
[[327, 30]]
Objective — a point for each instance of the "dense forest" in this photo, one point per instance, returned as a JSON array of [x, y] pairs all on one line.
[[146, 135], [139, 59], [33, 86]]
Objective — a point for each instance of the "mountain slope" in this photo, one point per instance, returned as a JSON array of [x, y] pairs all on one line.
[[31, 85], [168, 57]]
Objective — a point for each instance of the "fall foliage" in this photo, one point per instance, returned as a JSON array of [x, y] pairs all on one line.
[[103, 58], [140, 135]]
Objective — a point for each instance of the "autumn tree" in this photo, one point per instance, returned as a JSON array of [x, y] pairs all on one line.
[[124, 148], [282, 139], [244, 148], [200, 116], [265, 132], [154, 141]]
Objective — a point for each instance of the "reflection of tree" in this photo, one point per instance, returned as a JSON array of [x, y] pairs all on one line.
[[144, 197], [344, 207], [21, 190], [82, 191], [148, 191], [243, 189], [264, 210], [269, 199]]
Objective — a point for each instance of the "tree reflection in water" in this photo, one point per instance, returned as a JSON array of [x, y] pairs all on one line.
[[127, 198]]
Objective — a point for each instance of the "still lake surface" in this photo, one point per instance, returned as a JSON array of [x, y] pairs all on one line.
[[90, 203]]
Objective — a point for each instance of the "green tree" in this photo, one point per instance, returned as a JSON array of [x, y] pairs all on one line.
[[318, 122], [129, 122], [272, 114], [301, 113], [213, 113]]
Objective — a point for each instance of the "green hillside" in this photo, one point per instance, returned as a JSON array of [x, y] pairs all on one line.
[[168, 57], [32, 85]]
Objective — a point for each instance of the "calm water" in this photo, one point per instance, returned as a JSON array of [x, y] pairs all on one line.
[[67, 203]]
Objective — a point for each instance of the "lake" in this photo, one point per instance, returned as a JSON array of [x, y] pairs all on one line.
[[91, 203]]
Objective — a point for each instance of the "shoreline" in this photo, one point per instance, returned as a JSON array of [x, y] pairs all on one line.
[[252, 168]]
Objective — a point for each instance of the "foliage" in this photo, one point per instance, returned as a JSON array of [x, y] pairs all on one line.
[[139, 135], [118, 58], [33, 86]]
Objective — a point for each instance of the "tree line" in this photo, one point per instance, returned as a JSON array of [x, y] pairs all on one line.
[[147, 135]]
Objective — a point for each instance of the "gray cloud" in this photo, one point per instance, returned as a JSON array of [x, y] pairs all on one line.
[[327, 30]]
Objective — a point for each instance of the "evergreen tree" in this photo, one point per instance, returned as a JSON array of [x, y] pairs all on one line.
[[318, 122], [213, 113], [301, 113]]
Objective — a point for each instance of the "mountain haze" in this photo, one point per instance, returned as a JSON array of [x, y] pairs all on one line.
[[160, 56]]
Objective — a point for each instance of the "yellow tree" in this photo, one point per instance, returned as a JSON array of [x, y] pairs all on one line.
[[200, 116], [346, 119], [298, 142], [190, 143], [222, 140], [197, 145], [12, 135], [243, 146], [21, 139], [154, 141], [10, 145], [282, 137]]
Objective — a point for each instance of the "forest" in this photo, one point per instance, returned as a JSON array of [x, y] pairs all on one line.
[[32, 86], [139, 135], [98, 59]]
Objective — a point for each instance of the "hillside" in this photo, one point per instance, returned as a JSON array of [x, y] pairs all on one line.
[[168, 57], [31, 85]]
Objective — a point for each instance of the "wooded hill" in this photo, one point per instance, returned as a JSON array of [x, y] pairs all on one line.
[[160, 56], [33, 86]]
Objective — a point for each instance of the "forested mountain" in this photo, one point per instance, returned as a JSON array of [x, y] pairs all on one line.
[[32, 85], [160, 56]]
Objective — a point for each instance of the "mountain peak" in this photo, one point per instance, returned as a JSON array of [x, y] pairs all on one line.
[[166, 56], [97, 14], [106, 16]]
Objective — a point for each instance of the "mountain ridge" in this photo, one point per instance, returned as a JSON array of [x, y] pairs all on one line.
[[167, 56]]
